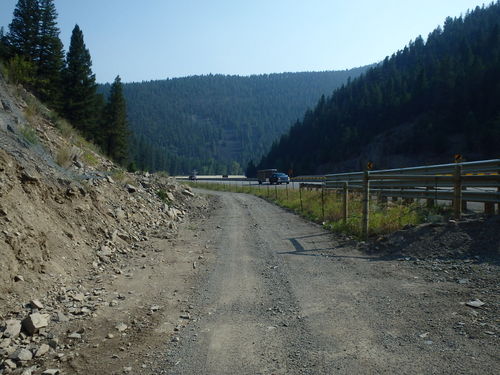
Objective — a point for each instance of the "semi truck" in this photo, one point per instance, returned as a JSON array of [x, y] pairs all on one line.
[[264, 174]]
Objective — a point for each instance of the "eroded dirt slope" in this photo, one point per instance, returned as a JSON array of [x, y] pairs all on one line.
[[80, 243]]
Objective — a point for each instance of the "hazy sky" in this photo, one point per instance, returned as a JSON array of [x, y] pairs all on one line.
[[156, 39]]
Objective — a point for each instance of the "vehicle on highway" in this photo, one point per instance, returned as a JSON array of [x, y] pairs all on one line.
[[279, 178], [264, 174], [192, 177]]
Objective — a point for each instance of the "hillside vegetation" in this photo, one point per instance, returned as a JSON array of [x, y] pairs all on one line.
[[423, 104], [217, 123]]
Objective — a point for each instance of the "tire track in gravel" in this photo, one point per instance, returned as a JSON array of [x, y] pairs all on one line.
[[287, 297]]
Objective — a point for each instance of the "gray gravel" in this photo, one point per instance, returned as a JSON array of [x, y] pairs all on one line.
[[286, 297]]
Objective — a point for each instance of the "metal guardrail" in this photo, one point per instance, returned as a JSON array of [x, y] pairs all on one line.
[[477, 181], [458, 182]]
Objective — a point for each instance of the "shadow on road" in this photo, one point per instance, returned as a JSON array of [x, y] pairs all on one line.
[[315, 252]]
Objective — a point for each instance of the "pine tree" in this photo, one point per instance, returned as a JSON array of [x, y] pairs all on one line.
[[23, 36], [50, 55], [3, 45], [115, 129], [79, 86]]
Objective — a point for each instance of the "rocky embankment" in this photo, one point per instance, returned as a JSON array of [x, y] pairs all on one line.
[[71, 223]]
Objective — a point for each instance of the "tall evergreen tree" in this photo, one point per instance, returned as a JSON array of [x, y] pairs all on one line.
[[3, 44], [115, 128], [79, 86], [50, 55], [23, 36]]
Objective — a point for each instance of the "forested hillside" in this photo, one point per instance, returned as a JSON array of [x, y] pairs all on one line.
[[218, 123], [423, 104]]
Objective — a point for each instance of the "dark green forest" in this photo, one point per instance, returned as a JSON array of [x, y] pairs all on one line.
[[428, 101], [218, 123]]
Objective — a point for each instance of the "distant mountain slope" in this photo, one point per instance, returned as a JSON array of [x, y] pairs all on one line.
[[215, 123], [422, 105]]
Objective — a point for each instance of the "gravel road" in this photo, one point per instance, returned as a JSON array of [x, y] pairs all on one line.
[[286, 297]]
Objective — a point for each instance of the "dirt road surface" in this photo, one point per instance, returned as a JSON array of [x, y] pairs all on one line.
[[283, 296]]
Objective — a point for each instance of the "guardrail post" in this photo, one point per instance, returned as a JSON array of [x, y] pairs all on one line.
[[457, 192], [366, 203], [345, 202]]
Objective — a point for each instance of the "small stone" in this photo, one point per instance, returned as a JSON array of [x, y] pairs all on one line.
[[155, 308], [176, 339], [12, 329], [75, 335], [185, 316], [51, 371], [463, 281], [428, 342], [131, 188], [42, 350], [10, 364], [53, 343], [79, 297], [21, 355], [110, 336], [423, 335], [121, 327], [34, 322], [110, 180], [61, 318], [476, 303], [489, 332], [5, 343], [36, 304], [126, 370], [188, 193], [18, 278]]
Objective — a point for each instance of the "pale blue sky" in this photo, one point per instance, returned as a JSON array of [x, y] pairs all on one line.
[[157, 39]]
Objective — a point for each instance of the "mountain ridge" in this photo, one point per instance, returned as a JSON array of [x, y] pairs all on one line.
[[218, 123]]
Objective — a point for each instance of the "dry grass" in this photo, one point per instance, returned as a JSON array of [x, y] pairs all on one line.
[[326, 208]]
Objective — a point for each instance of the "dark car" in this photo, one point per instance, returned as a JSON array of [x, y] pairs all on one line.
[[192, 177], [279, 178]]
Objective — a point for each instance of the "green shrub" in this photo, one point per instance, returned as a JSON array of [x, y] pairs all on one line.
[[29, 134], [20, 71], [162, 194]]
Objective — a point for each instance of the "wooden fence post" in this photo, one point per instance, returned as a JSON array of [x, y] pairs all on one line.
[[300, 195], [457, 192], [345, 202], [430, 201], [323, 203], [276, 191], [286, 187], [366, 204], [489, 208]]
